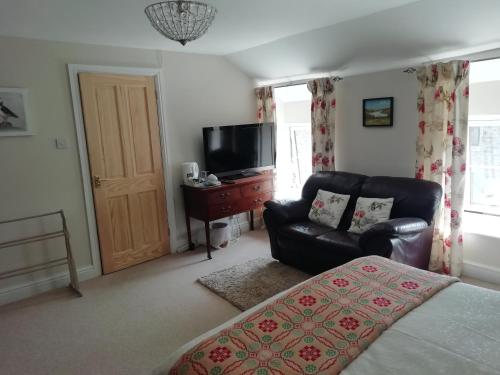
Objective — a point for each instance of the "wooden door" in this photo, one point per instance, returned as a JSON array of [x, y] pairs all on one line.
[[123, 142]]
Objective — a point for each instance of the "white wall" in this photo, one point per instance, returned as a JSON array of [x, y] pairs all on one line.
[[376, 151], [201, 91], [482, 247], [483, 98], [36, 177]]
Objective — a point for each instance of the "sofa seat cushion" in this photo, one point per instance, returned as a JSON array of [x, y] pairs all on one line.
[[304, 229], [340, 242]]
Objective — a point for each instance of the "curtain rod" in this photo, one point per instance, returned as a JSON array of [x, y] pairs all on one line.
[[291, 83], [299, 82], [412, 69]]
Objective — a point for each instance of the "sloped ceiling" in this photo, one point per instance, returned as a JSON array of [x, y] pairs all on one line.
[[239, 24], [273, 39], [422, 31]]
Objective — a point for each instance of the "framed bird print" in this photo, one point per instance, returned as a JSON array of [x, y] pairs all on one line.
[[14, 119]]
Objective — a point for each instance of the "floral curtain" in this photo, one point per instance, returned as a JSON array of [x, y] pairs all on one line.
[[323, 124], [265, 104], [443, 105], [266, 109]]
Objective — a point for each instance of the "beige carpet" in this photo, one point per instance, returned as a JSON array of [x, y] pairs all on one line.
[[248, 284], [127, 322]]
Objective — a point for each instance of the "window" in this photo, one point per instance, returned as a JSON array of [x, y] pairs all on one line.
[[293, 148], [483, 174], [484, 164]]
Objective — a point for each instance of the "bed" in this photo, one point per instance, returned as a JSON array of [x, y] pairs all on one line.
[[369, 316]]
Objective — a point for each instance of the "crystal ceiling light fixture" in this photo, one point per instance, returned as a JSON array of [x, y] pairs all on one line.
[[182, 21]]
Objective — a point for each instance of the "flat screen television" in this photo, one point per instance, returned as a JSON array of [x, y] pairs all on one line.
[[238, 150]]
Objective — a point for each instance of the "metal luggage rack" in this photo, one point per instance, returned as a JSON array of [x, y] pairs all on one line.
[[68, 259]]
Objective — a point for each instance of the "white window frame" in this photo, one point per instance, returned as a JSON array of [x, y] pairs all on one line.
[[468, 206], [288, 126], [281, 127]]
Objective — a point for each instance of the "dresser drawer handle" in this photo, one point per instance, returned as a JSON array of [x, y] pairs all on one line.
[[224, 195], [256, 188], [257, 200], [225, 209]]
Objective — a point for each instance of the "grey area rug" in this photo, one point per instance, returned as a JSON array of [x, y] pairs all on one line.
[[248, 284]]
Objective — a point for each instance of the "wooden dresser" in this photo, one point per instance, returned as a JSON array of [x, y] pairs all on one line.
[[212, 203]]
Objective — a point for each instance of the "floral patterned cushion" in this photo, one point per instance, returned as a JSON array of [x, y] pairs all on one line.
[[327, 208], [370, 211]]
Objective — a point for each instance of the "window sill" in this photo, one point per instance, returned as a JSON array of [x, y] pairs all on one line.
[[478, 210], [485, 224]]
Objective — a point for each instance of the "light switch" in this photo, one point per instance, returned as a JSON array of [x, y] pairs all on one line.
[[61, 143]]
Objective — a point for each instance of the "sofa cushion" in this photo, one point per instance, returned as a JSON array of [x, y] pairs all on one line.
[[328, 208], [318, 254], [370, 211], [412, 197], [340, 243], [304, 229]]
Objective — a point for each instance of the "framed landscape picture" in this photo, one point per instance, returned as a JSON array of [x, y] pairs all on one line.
[[14, 119], [378, 112]]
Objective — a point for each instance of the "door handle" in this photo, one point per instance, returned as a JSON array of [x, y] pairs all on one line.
[[97, 181]]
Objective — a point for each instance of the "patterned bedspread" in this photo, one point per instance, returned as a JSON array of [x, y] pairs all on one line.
[[318, 327]]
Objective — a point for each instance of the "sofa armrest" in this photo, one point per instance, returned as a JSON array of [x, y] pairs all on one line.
[[392, 228], [286, 211]]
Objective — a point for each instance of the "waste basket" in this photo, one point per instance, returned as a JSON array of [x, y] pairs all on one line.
[[220, 236]]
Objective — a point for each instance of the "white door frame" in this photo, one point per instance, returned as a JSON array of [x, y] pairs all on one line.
[[73, 70]]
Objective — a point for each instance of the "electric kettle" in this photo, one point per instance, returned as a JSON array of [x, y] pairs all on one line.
[[190, 171]]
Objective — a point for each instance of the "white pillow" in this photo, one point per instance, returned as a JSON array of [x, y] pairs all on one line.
[[327, 208], [370, 211]]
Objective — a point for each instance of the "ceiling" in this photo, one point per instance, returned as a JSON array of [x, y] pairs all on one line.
[[239, 24], [423, 31], [273, 39]]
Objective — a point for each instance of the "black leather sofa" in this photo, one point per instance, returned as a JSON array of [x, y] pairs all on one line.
[[314, 248]]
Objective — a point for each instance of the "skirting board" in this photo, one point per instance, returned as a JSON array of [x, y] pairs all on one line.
[[182, 245], [29, 289], [482, 272], [32, 288]]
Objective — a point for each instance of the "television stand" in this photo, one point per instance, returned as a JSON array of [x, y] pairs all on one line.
[[238, 176], [217, 202]]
